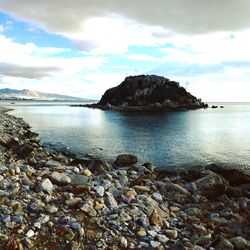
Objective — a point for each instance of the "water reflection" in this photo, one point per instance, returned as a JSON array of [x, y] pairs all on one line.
[[179, 139]]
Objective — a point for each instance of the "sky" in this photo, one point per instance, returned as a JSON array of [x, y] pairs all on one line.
[[81, 48]]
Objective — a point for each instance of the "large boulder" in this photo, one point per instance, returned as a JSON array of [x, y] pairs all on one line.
[[235, 177]]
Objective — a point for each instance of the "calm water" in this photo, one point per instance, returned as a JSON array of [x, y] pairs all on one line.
[[180, 139]]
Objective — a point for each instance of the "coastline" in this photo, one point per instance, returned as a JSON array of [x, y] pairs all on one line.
[[137, 108], [54, 201]]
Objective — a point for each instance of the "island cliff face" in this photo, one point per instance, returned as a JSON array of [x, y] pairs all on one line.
[[148, 92]]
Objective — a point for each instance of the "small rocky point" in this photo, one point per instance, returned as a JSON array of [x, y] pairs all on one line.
[[148, 92], [52, 201]]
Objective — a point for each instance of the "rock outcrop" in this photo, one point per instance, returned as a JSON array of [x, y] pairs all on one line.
[[148, 92]]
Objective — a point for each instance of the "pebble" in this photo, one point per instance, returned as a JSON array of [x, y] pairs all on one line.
[[99, 191], [30, 233], [51, 209], [75, 226], [155, 244], [123, 242], [157, 197], [46, 186], [172, 234]]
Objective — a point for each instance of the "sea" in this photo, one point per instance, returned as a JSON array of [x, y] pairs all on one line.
[[170, 140]]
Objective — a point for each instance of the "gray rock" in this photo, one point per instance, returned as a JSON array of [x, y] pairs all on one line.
[[154, 243], [123, 242], [157, 197], [209, 181], [78, 180], [111, 202], [75, 225], [162, 238], [60, 178], [224, 244], [30, 233], [51, 209], [53, 163], [5, 218], [177, 188], [27, 169], [3, 169], [88, 209], [203, 240], [73, 202], [99, 191], [172, 234], [4, 193], [126, 160], [240, 243], [45, 186], [36, 207]]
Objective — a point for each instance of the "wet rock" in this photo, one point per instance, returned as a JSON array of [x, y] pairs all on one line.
[[125, 160], [149, 166]]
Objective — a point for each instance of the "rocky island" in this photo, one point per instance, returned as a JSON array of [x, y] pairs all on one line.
[[53, 201], [148, 92]]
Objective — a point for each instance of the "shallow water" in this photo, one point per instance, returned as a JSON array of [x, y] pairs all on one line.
[[169, 140]]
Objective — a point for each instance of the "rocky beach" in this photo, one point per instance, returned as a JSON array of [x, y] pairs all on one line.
[[53, 201]]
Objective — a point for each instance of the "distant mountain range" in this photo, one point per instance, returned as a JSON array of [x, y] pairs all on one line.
[[26, 94]]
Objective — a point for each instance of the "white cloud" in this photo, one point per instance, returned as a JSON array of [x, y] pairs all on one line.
[[110, 26], [212, 48], [25, 64], [143, 57], [192, 31]]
